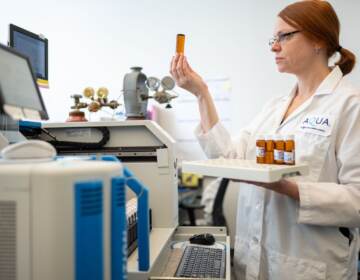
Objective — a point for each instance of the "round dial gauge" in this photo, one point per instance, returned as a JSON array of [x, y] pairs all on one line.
[[153, 83], [168, 83]]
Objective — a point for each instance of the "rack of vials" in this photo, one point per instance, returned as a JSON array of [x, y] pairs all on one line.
[[275, 149]]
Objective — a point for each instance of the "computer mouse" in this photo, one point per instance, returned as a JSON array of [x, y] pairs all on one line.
[[29, 149], [202, 239]]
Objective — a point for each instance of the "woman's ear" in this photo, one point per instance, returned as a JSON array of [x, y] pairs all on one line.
[[318, 47]]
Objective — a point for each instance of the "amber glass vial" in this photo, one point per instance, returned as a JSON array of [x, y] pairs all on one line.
[[180, 43], [279, 149], [269, 149], [260, 149], [289, 154]]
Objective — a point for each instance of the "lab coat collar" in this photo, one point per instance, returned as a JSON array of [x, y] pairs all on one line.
[[331, 81], [327, 86]]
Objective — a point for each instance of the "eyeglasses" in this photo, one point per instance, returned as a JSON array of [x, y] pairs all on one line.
[[282, 37]]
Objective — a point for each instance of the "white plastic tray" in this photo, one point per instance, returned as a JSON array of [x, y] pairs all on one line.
[[244, 169]]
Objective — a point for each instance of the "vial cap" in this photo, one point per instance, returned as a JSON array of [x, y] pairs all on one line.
[[260, 137], [289, 137], [278, 137], [268, 137]]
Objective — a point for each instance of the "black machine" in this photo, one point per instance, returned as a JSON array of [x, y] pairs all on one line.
[[33, 46]]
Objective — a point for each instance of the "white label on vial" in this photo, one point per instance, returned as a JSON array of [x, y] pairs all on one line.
[[278, 155], [260, 152], [288, 157]]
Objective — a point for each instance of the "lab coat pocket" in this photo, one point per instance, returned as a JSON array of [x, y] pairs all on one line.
[[312, 148], [284, 267], [343, 237]]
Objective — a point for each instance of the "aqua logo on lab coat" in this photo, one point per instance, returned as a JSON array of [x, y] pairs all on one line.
[[319, 124]]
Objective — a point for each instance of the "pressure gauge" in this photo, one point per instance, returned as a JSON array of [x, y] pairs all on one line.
[[89, 92], [167, 83], [153, 83], [102, 92]]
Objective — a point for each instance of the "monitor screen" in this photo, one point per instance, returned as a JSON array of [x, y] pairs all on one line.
[[19, 93], [32, 46]]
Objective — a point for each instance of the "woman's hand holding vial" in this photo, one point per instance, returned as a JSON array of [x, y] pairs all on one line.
[[191, 81], [186, 77]]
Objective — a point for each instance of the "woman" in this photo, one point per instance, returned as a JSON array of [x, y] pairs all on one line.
[[305, 228]]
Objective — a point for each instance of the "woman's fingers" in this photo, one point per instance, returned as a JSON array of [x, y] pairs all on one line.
[[173, 71], [187, 66], [171, 65], [180, 66], [181, 71]]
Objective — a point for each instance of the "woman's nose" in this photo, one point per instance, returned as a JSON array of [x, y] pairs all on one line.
[[276, 47]]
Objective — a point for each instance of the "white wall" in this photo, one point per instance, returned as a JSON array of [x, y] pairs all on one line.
[[93, 43]]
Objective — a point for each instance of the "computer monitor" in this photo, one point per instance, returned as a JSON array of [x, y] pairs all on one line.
[[35, 47], [20, 96]]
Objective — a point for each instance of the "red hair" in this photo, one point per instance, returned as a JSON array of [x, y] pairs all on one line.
[[318, 21]]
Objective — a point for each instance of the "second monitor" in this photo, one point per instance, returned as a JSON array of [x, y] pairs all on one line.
[[33, 46]]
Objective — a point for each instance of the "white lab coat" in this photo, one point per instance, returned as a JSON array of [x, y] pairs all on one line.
[[208, 199], [278, 238]]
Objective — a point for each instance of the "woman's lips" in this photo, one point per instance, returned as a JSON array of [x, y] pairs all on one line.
[[278, 59]]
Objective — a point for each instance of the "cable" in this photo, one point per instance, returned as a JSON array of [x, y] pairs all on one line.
[[62, 145]]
